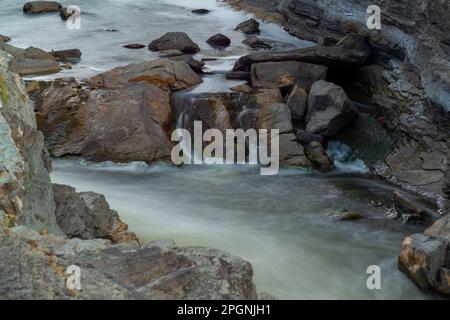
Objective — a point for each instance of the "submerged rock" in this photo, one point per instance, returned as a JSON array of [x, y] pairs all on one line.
[[255, 43], [200, 11], [134, 46], [345, 215], [174, 40], [66, 55]]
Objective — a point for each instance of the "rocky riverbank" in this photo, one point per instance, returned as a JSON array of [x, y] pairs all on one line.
[[46, 228]]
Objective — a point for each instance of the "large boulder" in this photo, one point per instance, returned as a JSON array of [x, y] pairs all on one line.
[[174, 40], [163, 73], [98, 127], [34, 267], [41, 7], [87, 215], [297, 101], [329, 109], [286, 74]]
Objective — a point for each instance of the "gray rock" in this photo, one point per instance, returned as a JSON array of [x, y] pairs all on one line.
[[134, 46], [317, 155], [249, 26], [329, 109], [174, 40], [253, 42], [297, 102], [124, 271], [292, 152], [306, 137], [66, 55], [285, 74]]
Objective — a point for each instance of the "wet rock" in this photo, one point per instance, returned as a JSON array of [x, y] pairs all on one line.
[[345, 215], [306, 137], [353, 50], [409, 210], [292, 152], [245, 88], [255, 43], [200, 11], [297, 103], [317, 155], [249, 26], [34, 7], [134, 46], [275, 116], [329, 109], [285, 74], [87, 215], [25, 187], [170, 53], [423, 260], [65, 14], [122, 271], [4, 38], [219, 40], [164, 73], [238, 75], [95, 125], [66, 55], [174, 40]]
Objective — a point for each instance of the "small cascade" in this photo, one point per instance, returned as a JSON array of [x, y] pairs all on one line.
[[345, 160]]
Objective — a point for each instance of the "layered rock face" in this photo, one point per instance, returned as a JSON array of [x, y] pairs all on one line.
[[403, 87], [45, 228]]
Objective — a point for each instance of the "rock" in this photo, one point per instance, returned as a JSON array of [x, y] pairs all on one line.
[[4, 38], [409, 210], [27, 67], [164, 73], [196, 65], [87, 216], [66, 55], [200, 11], [219, 40], [122, 271], [329, 109], [245, 88], [297, 103], [249, 26], [275, 116], [353, 50], [134, 46], [255, 43], [292, 152], [170, 53], [25, 187], [96, 126], [423, 260], [174, 40], [306, 137], [345, 215], [286, 74], [65, 14], [317, 155], [41, 7], [238, 75]]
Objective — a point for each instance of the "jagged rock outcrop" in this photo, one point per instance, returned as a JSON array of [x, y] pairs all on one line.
[[26, 195], [403, 85], [155, 271]]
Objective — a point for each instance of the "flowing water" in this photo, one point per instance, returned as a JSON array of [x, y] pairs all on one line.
[[280, 223]]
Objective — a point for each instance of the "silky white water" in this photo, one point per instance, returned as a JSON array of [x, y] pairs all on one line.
[[279, 223]]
